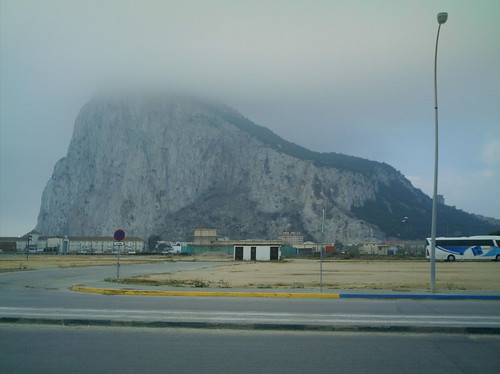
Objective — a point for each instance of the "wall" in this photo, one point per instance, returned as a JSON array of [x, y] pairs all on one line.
[[262, 252], [197, 249]]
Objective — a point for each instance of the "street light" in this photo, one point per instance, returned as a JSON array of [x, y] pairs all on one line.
[[28, 248], [321, 253], [441, 18]]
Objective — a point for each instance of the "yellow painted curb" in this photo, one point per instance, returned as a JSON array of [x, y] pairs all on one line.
[[107, 291]]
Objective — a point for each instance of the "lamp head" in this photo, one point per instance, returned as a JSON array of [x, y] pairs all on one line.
[[442, 17]]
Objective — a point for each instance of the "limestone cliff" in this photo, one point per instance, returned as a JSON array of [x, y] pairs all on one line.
[[169, 164]]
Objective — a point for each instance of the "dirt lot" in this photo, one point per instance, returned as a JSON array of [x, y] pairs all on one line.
[[337, 274], [396, 275], [13, 262], [35, 261]]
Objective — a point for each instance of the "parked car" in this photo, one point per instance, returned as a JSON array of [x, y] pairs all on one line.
[[173, 251]]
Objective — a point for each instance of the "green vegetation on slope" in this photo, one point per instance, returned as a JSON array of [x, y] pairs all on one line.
[[393, 202]]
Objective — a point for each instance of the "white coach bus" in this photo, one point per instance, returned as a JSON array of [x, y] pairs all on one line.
[[484, 247]]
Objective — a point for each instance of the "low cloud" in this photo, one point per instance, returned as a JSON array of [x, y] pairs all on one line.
[[467, 191], [491, 154]]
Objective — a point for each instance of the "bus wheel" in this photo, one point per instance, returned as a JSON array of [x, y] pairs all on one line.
[[497, 258], [451, 258]]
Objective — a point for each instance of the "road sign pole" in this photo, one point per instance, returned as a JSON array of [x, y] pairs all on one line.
[[119, 236], [321, 253], [118, 262]]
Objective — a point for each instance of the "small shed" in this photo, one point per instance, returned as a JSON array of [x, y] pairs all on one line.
[[257, 252]]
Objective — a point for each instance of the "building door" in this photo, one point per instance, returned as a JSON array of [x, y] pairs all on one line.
[[253, 253], [238, 253], [274, 253]]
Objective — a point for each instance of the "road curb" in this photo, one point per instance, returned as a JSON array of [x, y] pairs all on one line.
[[252, 326], [109, 291], [419, 296], [115, 291]]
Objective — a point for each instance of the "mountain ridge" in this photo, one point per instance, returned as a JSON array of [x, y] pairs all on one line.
[[169, 164]]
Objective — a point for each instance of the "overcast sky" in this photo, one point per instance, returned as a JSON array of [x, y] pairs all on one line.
[[348, 76]]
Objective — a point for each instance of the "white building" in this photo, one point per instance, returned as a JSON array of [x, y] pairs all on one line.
[[98, 245], [257, 251], [34, 242], [373, 249]]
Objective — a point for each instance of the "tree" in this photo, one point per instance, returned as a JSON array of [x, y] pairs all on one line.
[[152, 240]]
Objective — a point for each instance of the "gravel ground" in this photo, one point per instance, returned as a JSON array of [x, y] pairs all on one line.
[[397, 275]]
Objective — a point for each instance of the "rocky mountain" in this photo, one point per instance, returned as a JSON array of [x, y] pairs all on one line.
[[167, 164]]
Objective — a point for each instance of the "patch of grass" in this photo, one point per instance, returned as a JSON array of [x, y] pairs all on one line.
[[193, 283], [223, 284], [280, 285], [198, 283], [452, 286], [21, 267]]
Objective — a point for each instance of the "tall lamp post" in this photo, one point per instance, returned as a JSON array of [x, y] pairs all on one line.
[[28, 248], [441, 18]]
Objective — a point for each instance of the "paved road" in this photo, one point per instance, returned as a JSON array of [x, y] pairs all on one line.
[[45, 294], [57, 349], [61, 279]]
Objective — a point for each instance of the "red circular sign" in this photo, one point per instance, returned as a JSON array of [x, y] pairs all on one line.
[[119, 235]]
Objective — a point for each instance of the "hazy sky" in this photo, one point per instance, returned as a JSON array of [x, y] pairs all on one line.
[[348, 76]]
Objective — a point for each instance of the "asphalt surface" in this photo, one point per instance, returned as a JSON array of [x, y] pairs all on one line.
[[77, 349], [44, 296]]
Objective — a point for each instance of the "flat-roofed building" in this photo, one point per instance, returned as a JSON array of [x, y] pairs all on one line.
[[264, 250], [291, 238], [205, 236], [373, 249]]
